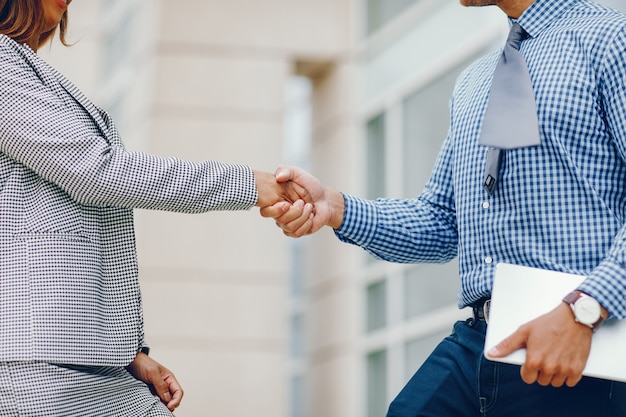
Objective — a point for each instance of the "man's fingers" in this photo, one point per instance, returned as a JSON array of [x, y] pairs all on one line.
[[545, 379], [529, 375], [517, 340], [283, 174], [509, 345], [571, 381], [558, 380]]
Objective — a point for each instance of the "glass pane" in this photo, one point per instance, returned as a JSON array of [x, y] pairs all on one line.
[[297, 120], [297, 336], [417, 350], [376, 306], [377, 384], [426, 121], [429, 287], [380, 12], [298, 397], [298, 267], [376, 157]]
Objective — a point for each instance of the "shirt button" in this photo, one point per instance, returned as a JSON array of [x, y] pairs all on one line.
[[488, 260], [486, 205]]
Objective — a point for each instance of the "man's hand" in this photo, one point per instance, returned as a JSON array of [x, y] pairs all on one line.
[[161, 380], [325, 206], [557, 348]]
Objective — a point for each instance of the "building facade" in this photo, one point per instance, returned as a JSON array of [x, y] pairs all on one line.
[[356, 91]]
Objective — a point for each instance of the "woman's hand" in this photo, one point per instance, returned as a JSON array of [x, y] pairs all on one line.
[[161, 380]]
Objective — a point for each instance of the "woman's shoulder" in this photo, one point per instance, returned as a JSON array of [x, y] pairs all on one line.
[[12, 52], [20, 67], [6, 43]]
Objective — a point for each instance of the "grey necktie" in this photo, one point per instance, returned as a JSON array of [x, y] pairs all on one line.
[[511, 118]]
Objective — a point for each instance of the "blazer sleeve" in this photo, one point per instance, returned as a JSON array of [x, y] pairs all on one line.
[[40, 129]]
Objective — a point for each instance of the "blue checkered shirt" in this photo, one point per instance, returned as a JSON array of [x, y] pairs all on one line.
[[560, 205]]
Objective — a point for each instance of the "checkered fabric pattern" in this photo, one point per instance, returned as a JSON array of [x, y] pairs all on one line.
[[35, 389], [69, 291], [561, 205]]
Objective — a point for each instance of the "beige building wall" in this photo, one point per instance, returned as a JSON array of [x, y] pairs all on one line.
[[205, 79]]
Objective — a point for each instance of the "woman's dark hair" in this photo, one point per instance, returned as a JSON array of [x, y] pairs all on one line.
[[20, 20]]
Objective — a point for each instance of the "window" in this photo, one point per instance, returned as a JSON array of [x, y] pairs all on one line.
[[297, 266], [430, 287], [376, 306], [377, 384], [425, 126], [376, 157], [417, 350], [297, 336], [298, 397], [426, 120]]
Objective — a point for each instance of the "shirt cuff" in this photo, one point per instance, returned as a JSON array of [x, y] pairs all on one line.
[[607, 284], [359, 221]]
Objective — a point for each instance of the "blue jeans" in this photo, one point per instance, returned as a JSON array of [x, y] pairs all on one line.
[[457, 381]]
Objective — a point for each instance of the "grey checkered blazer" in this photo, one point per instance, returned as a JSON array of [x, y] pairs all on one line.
[[69, 291]]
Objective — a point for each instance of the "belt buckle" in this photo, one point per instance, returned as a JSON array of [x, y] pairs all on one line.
[[486, 308]]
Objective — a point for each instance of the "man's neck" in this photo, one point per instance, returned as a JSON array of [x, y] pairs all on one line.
[[514, 8]]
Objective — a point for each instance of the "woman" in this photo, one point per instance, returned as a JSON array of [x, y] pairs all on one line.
[[71, 330]]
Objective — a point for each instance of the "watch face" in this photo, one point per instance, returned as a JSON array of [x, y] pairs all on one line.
[[587, 310]]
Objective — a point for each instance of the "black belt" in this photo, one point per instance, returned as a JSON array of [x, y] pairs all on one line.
[[481, 309]]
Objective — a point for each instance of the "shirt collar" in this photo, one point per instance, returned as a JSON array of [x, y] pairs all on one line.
[[542, 13]]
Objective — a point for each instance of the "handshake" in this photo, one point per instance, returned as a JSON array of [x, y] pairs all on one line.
[[298, 202]]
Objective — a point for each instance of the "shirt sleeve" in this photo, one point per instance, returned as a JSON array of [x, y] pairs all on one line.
[[607, 282], [421, 230]]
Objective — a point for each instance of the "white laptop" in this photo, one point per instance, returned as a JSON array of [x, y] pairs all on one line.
[[515, 285]]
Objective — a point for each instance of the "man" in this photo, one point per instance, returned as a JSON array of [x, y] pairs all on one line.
[[558, 205]]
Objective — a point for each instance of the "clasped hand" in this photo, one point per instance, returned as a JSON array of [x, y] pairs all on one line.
[[300, 205]]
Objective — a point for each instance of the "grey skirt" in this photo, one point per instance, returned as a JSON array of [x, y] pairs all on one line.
[[36, 389]]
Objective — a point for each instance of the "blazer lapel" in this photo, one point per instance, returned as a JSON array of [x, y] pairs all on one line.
[[55, 80], [84, 102]]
